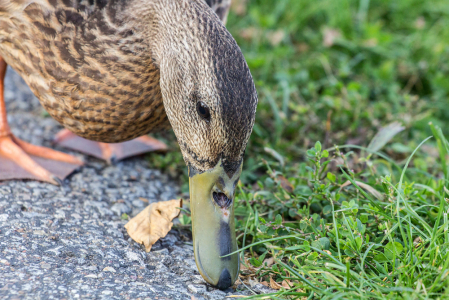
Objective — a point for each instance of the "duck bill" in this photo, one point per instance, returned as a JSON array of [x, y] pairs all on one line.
[[213, 228]]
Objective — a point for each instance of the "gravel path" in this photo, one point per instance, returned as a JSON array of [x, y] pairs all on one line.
[[69, 242]]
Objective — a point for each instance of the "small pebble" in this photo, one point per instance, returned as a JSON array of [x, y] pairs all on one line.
[[109, 269]]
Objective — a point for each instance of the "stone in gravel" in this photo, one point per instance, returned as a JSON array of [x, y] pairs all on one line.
[[109, 269], [261, 289], [197, 288], [107, 292], [121, 208], [138, 203], [133, 256]]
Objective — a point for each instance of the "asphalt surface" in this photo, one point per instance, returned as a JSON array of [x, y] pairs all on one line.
[[69, 242]]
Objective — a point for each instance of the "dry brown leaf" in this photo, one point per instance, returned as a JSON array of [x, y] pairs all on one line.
[[366, 187], [252, 282], [247, 266], [286, 284], [154, 222], [329, 36], [275, 37], [285, 184], [384, 135], [243, 267], [268, 261], [264, 283], [274, 284]]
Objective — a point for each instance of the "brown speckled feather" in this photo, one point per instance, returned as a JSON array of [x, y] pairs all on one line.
[[90, 71], [113, 70]]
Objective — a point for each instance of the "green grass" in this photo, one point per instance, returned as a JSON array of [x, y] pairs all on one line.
[[340, 234], [366, 219]]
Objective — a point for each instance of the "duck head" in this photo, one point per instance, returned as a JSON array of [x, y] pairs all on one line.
[[210, 100]]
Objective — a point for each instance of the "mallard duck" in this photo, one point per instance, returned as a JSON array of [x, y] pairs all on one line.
[[114, 70]]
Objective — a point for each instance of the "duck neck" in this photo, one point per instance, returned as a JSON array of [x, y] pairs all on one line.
[[176, 29]]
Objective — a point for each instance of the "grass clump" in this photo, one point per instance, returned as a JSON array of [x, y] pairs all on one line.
[[329, 232]]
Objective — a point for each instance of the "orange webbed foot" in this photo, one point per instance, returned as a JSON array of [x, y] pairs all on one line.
[[21, 160], [110, 152]]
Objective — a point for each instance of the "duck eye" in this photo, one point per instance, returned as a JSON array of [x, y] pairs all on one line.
[[203, 110]]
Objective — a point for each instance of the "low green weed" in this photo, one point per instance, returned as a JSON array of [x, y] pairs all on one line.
[[330, 232]]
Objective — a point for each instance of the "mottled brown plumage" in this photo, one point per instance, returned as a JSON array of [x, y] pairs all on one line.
[[113, 70]]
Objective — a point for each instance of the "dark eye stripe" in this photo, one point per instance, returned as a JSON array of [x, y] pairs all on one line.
[[203, 110]]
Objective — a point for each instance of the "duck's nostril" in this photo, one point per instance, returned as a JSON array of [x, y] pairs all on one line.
[[221, 199], [225, 280]]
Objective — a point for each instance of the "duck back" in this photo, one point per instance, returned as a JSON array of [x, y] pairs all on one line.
[[86, 63]]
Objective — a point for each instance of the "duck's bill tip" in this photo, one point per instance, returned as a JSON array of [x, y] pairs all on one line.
[[225, 280]]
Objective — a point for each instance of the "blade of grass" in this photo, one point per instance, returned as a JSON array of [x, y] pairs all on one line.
[[298, 275]]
